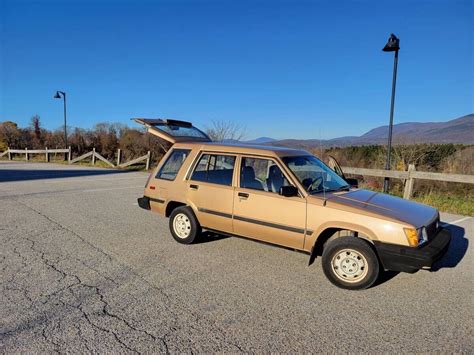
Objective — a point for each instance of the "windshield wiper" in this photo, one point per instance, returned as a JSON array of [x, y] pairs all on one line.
[[342, 188]]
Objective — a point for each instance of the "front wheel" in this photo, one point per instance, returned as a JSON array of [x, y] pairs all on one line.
[[350, 263], [184, 225]]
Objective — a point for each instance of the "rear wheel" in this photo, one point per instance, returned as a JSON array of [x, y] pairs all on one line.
[[350, 263], [184, 225]]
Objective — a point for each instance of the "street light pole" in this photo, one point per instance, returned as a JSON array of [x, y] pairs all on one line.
[[58, 96], [393, 45]]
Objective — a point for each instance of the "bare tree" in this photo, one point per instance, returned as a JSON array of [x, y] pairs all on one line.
[[226, 130], [36, 131]]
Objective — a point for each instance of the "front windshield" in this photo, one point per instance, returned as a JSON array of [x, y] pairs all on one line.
[[314, 175]]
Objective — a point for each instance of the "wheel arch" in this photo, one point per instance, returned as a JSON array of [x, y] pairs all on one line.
[[336, 230], [173, 204]]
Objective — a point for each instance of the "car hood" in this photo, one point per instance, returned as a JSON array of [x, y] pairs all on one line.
[[384, 205]]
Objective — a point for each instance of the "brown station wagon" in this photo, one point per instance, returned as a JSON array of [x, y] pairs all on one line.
[[290, 198]]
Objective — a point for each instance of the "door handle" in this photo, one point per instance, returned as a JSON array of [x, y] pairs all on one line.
[[194, 187], [243, 194]]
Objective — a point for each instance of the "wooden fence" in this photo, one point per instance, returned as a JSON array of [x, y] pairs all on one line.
[[409, 176], [47, 152], [93, 155]]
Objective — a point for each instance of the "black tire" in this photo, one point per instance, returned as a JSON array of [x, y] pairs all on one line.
[[357, 258], [187, 222]]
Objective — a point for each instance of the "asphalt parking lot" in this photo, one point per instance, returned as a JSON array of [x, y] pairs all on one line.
[[84, 269]]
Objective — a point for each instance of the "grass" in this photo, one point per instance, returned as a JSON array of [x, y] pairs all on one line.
[[463, 205], [445, 202]]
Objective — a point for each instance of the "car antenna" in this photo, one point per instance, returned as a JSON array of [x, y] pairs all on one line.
[[321, 157]]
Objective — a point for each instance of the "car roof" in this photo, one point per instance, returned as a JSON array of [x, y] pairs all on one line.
[[242, 148]]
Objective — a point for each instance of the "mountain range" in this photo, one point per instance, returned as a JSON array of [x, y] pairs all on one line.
[[459, 131]]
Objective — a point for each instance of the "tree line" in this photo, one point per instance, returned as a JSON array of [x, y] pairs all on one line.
[[105, 137]]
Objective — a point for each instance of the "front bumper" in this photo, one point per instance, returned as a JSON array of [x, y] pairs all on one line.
[[408, 259]]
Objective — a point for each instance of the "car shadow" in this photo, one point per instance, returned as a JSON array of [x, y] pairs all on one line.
[[456, 251], [209, 236], [11, 175], [384, 276]]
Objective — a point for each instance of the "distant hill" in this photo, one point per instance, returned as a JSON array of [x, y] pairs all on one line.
[[260, 140], [459, 130]]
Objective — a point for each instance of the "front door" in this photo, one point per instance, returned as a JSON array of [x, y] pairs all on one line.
[[260, 212], [210, 189]]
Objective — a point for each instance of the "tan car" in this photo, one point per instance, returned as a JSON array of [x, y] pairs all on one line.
[[288, 197]]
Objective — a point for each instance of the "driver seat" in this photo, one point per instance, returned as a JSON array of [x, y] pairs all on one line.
[[275, 179], [248, 180]]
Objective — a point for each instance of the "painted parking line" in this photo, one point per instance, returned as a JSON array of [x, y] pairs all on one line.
[[456, 221], [112, 188], [111, 179]]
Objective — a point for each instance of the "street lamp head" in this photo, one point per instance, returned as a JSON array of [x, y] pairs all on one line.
[[57, 96], [393, 44]]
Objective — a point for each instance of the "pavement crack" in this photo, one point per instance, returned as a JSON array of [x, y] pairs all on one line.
[[109, 257]]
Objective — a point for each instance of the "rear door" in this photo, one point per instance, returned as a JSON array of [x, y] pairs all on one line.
[[173, 131], [211, 190]]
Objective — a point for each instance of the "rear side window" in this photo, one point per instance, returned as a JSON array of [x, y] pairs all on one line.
[[215, 169], [170, 168]]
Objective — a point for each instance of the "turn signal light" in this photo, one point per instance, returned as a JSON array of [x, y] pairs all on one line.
[[412, 236]]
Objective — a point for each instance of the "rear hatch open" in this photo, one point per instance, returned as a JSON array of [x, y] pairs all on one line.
[[173, 131]]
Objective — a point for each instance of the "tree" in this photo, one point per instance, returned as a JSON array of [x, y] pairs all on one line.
[[10, 134], [226, 130], [38, 140]]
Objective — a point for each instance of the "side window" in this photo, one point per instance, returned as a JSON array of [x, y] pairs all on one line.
[[216, 169], [170, 168], [261, 174]]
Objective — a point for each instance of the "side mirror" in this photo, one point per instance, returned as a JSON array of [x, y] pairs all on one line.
[[288, 191], [353, 182]]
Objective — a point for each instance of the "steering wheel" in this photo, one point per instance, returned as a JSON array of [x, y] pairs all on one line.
[[315, 182]]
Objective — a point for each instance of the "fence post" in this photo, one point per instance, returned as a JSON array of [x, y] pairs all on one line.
[[409, 183], [26, 154], [47, 155], [93, 156], [119, 156], [9, 154], [69, 155], [148, 160]]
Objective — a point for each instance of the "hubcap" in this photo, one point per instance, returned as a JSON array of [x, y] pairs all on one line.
[[182, 225], [349, 265]]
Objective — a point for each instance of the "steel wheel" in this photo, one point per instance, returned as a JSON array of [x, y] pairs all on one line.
[[182, 226], [349, 265]]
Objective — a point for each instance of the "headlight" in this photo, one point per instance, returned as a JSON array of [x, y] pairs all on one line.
[[422, 236], [416, 237]]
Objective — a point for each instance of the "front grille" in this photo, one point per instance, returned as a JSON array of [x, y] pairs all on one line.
[[432, 228]]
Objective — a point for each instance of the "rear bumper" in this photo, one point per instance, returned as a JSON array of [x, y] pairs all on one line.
[[144, 202], [408, 259]]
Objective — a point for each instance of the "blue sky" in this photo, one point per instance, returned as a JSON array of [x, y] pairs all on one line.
[[284, 69]]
